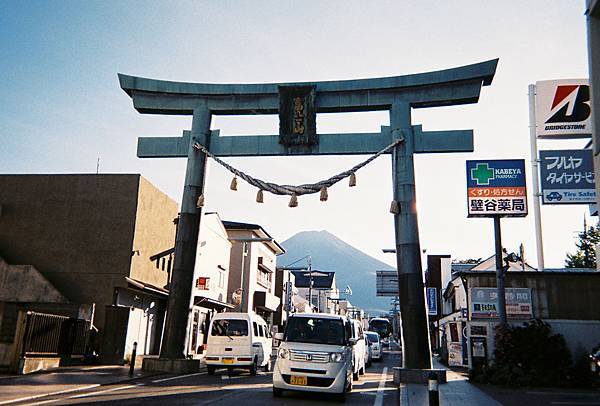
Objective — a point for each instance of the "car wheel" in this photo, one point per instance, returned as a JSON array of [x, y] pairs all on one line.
[[210, 369], [355, 376], [277, 393], [362, 370], [253, 368]]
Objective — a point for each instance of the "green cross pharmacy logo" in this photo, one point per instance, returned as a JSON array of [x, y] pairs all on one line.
[[482, 174]]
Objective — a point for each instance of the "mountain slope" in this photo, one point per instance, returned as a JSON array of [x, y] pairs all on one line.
[[351, 266]]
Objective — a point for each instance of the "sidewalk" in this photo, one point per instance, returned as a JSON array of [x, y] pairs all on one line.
[[458, 391], [19, 388]]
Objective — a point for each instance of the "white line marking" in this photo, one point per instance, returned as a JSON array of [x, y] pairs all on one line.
[[379, 397], [104, 391], [5, 402], [177, 377]]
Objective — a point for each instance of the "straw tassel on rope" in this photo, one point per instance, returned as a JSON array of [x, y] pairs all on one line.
[[259, 196], [233, 185], [293, 201], [200, 201], [324, 194], [395, 207], [352, 181]]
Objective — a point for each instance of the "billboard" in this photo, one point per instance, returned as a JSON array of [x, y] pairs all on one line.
[[563, 109], [496, 188], [387, 283], [484, 302], [567, 176]]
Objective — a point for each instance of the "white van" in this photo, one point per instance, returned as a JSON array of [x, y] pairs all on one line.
[[359, 350], [238, 340], [315, 355]]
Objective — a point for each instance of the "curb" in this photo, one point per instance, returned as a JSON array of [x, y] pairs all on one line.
[[62, 392]]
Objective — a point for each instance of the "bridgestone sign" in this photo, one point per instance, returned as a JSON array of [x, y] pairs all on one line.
[[563, 109]]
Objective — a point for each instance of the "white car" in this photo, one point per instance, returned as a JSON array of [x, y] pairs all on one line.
[[315, 354], [359, 350], [238, 340], [375, 344]]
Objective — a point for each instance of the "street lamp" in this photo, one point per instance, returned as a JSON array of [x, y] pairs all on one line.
[[245, 241]]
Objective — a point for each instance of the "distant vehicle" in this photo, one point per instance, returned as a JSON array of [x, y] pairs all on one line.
[[375, 344], [238, 340], [315, 354], [554, 196], [381, 326]]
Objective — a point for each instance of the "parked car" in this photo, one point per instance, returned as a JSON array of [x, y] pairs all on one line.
[[238, 340], [315, 354], [375, 344], [359, 350], [368, 352]]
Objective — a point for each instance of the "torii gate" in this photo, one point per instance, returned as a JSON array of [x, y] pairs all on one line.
[[397, 94]]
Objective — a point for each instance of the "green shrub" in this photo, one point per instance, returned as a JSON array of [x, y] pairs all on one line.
[[529, 355]]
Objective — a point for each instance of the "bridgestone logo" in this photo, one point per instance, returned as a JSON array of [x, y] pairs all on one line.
[[565, 127]]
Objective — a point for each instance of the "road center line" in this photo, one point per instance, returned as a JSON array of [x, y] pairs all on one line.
[[379, 397], [177, 377]]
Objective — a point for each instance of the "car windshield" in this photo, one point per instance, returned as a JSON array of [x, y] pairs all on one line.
[[231, 328], [373, 338], [315, 330]]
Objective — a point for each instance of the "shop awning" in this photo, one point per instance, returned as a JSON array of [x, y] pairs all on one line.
[[209, 303], [146, 287]]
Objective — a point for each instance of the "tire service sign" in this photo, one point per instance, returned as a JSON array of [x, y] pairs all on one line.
[[563, 109], [567, 177], [496, 188]]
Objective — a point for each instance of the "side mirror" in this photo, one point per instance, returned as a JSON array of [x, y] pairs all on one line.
[[278, 336], [352, 341]]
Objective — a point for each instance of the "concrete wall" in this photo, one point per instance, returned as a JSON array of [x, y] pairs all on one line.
[[24, 283], [562, 295], [154, 233], [79, 231]]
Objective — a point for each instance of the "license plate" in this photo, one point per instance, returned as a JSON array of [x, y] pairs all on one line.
[[298, 380], [227, 360]]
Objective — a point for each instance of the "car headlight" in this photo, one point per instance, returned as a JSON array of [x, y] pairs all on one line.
[[283, 353], [336, 357]]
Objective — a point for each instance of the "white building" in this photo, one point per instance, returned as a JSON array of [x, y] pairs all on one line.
[[252, 273], [211, 276]]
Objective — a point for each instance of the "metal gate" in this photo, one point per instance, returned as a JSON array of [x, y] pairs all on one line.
[[53, 335]]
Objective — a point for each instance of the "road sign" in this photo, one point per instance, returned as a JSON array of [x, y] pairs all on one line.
[[432, 307], [484, 303], [387, 283], [562, 109], [567, 176], [496, 188]]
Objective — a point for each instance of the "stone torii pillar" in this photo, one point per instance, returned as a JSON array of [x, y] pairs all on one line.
[[297, 105]]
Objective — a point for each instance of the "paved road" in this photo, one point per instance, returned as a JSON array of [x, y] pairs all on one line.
[[374, 388]]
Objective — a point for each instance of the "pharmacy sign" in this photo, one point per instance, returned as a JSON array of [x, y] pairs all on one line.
[[496, 188]]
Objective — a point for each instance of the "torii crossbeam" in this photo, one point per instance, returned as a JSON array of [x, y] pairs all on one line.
[[297, 103]]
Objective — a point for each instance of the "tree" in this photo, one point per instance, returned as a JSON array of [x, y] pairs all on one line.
[[585, 257]]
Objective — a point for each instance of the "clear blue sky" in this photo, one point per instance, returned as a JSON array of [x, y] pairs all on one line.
[[61, 106]]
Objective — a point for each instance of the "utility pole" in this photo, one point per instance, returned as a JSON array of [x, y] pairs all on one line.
[[499, 273], [310, 281]]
